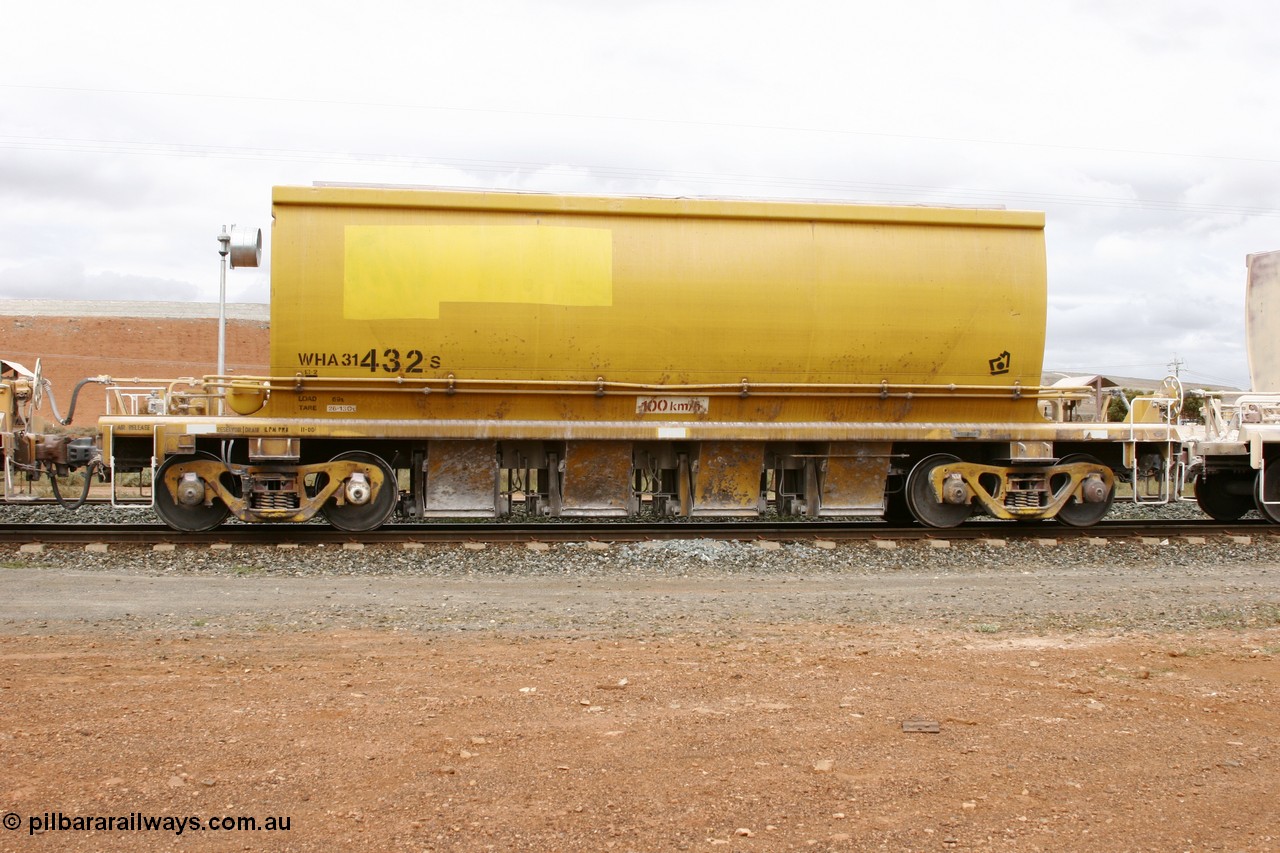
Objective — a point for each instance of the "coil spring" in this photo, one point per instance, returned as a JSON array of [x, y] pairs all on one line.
[[275, 500], [1022, 500]]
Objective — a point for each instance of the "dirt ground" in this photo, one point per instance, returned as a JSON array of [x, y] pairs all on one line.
[[700, 732]]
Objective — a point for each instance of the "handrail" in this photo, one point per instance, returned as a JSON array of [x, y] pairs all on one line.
[[451, 384]]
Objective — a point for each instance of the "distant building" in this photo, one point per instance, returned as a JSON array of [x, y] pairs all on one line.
[[126, 340], [1104, 387]]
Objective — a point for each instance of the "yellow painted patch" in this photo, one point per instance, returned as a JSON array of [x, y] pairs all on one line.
[[407, 272]]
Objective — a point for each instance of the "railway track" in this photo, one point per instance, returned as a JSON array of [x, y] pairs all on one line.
[[616, 532]]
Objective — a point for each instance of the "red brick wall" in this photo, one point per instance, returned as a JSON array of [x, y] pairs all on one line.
[[72, 348]]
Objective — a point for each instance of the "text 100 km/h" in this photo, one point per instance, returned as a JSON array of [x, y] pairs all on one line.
[[389, 360]]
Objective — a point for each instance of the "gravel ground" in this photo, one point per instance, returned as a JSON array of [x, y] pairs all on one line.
[[1173, 585], [674, 695]]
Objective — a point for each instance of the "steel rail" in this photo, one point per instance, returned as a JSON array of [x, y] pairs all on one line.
[[622, 531]]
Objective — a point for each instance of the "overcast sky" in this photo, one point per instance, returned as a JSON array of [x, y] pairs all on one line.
[[1148, 132]]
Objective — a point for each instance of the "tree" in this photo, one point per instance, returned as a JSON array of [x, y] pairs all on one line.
[[1192, 408], [1117, 410]]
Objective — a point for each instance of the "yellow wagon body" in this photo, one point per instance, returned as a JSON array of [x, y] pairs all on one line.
[[686, 299]]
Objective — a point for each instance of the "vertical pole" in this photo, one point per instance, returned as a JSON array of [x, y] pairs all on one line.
[[222, 320], [224, 246]]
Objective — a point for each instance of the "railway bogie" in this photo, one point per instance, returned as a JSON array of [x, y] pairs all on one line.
[[1236, 459]]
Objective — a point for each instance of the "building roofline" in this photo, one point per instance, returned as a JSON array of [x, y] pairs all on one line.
[[148, 310]]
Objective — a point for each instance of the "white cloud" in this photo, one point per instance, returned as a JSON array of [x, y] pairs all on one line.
[[1146, 131], [68, 279]]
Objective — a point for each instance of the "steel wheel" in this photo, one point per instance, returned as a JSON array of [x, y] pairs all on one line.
[[922, 501], [180, 516], [1077, 513], [380, 506], [1269, 512], [1224, 497]]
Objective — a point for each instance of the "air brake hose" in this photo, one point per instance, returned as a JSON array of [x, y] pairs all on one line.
[[84, 494], [75, 394]]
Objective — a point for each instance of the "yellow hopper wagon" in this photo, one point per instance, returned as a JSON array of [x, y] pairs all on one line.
[[474, 355]]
